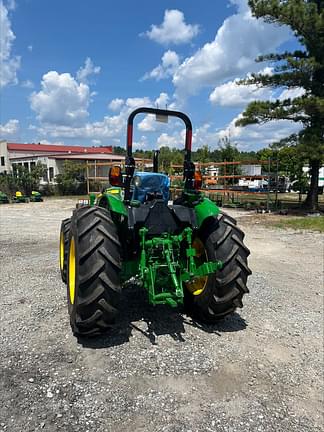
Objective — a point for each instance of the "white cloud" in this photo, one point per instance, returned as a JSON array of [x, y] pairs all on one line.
[[111, 127], [173, 29], [30, 48], [11, 4], [142, 144], [175, 139], [241, 4], [255, 137], [10, 128], [116, 104], [96, 142], [62, 101], [162, 100], [232, 53], [149, 124], [169, 64], [9, 63], [166, 140], [137, 102], [292, 93], [234, 95], [28, 84], [203, 135], [88, 69]]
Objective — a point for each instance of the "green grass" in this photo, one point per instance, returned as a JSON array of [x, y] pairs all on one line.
[[303, 223]]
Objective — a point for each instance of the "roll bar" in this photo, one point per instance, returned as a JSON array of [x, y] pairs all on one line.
[[160, 112], [188, 166]]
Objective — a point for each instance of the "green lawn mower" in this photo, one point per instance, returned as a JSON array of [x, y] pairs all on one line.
[[36, 197], [183, 253], [19, 197], [3, 198]]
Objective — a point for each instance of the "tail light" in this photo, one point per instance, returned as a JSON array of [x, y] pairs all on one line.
[[115, 176], [198, 180]]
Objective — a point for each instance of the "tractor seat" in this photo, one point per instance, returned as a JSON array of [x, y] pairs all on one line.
[[150, 186]]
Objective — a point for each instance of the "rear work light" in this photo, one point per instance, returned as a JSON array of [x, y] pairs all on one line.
[[198, 180], [115, 176]]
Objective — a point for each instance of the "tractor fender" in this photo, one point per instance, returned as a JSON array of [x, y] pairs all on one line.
[[111, 199], [204, 210]]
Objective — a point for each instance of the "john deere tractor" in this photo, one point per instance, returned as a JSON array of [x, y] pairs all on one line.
[[184, 252]]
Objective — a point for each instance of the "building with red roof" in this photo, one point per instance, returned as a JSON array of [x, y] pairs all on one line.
[[54, 148], [51, 155]]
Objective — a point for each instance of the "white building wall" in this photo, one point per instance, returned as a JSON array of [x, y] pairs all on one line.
[[251, 170], [53, 166], [4, 157], [50, 165]]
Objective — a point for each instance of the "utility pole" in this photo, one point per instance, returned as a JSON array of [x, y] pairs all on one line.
[[277, 168], [268, 195]]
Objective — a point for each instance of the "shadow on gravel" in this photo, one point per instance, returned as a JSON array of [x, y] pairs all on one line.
[[154, 321]]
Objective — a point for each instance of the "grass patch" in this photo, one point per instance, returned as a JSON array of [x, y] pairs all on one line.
[[303, 223]]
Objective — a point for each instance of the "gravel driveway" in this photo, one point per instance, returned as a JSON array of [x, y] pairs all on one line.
[[259, 370]]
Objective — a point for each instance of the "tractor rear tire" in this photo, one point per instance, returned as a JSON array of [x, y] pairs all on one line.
[[223, 291], [64, 246], [94, 266]]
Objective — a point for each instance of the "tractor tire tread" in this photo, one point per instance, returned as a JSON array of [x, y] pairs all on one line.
[[225, 289], [99, 265], [65, 230]]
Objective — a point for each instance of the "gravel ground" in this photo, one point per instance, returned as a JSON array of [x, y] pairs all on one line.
[[259, 370]]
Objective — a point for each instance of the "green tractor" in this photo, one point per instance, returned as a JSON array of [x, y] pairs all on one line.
[[184, 252]]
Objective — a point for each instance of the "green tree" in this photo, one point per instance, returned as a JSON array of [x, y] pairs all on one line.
[[71, 180], [22, 179], [168, 156], [26, 180], [288, 161], [229, 153], [299, 69], [8, 184], [118, 150], [202, 154]]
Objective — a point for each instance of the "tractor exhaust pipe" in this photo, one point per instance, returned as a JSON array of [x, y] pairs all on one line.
[[156, 161]]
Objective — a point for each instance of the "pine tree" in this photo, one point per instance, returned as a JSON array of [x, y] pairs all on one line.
[[302, 68]]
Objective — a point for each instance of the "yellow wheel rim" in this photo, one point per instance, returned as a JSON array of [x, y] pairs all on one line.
[[61, 251], [197, 286], [72, 271]]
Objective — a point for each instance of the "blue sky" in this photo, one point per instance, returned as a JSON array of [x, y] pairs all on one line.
[[71, 71]]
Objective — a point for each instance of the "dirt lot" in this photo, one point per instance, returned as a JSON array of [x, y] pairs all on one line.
[[260, 370]]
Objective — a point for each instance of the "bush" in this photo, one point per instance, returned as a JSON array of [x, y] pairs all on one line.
[[8, 184], [47, 189], [71, 181]]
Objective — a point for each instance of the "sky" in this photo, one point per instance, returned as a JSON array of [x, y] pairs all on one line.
[[71, 71]]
